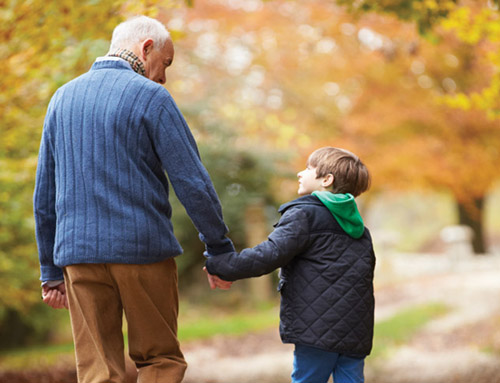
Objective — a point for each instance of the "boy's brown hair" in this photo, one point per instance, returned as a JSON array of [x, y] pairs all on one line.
[[350, 175]]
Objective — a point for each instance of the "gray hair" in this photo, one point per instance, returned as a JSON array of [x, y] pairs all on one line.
[[137, 29]]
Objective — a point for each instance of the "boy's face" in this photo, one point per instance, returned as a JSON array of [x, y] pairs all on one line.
[[309, 183]]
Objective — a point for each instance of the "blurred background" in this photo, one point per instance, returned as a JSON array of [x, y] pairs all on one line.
[[412, 87]]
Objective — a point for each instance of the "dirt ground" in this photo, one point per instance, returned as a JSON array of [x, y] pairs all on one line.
[[461, 346]]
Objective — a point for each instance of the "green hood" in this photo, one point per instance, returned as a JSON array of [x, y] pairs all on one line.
[[343, 207]]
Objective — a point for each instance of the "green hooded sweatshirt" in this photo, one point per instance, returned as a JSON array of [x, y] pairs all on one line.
[[343, 207]]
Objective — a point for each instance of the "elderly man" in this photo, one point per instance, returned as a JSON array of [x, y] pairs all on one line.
[[105, 239]]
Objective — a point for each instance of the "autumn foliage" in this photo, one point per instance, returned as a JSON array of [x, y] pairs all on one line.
[[413, 87]]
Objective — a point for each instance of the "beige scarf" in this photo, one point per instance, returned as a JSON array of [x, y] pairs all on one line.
[[134, 61]]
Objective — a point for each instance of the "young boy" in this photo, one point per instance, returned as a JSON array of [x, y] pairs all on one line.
[[327, 262]]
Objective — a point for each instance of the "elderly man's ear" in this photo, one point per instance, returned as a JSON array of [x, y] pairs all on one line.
[[145, 48]]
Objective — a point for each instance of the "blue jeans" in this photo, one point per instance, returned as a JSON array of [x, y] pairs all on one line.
[[312, 365]]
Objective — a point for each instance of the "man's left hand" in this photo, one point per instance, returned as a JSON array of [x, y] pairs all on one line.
[[55, 296]]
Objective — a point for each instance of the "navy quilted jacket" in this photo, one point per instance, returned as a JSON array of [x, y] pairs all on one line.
[[326, 280]]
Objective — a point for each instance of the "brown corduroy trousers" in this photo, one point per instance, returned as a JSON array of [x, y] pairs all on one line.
[[99, 294]]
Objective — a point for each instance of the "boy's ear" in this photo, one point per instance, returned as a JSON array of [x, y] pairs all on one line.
[[327, 181]]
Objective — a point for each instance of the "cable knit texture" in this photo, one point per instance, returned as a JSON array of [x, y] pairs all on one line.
[[101, 193]]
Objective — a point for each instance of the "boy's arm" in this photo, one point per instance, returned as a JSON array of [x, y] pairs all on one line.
[[289, 238]]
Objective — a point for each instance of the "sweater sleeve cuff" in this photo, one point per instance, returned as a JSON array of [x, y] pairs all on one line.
[[226, 247], [51, 273], [52, 284]]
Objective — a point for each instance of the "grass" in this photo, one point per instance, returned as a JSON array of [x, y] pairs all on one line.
[[400, 328], [205, 324], [195, 323], [38, 357]]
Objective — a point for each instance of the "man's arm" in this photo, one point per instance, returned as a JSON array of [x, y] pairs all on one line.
[[44, 205], [289, 238], [179, 155]]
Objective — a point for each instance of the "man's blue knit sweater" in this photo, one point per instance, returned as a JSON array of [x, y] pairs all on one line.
[[101, 193]]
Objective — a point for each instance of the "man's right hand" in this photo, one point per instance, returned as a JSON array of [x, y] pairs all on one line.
[[214, 281]]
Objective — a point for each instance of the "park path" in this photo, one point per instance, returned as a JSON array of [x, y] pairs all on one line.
[[449, 349]]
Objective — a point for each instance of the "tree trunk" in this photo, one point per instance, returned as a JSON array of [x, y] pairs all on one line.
[[471, 214]]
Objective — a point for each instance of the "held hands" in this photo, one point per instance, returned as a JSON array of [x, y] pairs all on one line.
[[214, 281], [55, 296]]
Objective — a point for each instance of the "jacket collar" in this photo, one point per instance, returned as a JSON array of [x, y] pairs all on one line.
[[304, 200]]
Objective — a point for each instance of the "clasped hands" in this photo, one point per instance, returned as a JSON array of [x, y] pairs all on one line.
[[215, 282]]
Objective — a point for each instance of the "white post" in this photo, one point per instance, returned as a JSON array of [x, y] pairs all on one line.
[[256, 232], [458, 240]]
